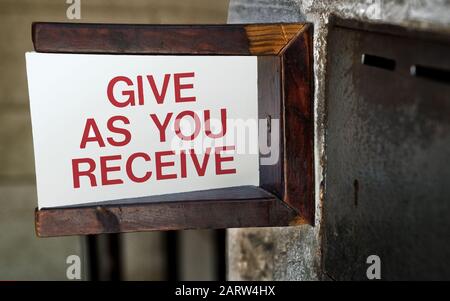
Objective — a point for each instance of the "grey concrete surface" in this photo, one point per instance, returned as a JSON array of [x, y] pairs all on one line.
[[263, 248]]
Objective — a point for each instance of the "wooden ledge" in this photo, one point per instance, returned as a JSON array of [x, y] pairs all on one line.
[[246, 206]]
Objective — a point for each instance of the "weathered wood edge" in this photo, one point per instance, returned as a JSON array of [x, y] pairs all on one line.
[[266, 211], [298, 122], [270, 39], [230, 39]]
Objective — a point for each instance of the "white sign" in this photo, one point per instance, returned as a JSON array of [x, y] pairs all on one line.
[[110, 127]]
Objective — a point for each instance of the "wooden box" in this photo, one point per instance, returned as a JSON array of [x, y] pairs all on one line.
[[285, 88]]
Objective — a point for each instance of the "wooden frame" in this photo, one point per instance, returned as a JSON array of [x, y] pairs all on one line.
[[285, 87]]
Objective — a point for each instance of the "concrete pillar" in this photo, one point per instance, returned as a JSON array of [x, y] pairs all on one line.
[[300, 253]]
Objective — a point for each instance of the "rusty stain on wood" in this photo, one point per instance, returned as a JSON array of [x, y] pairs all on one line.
[[298, 221]]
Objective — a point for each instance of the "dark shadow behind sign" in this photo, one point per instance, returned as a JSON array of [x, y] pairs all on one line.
[[285, 87]]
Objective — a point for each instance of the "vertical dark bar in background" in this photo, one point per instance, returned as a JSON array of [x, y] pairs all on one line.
[[115, 258], [105, 258], [172, 259], [93, 264], [220, 244]]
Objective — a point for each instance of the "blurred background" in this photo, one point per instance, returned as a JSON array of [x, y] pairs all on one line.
[[182, 255]]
